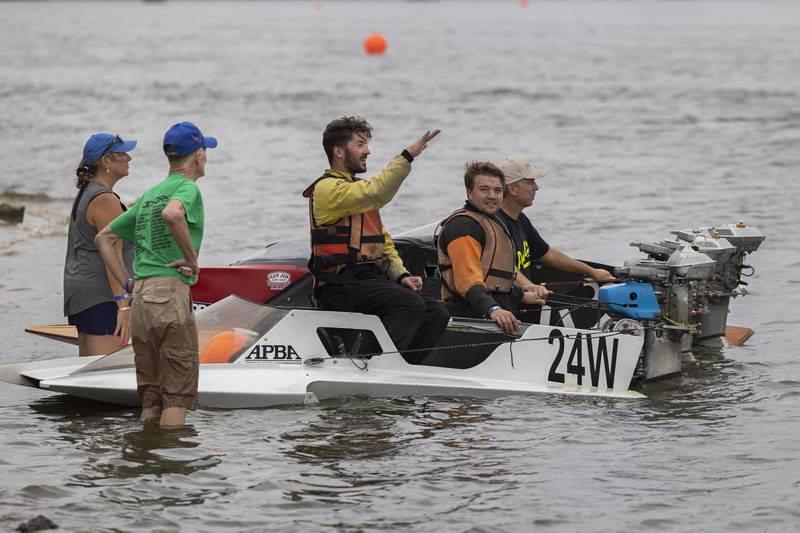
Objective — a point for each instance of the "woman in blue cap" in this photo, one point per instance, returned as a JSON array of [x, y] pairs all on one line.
[[93, 300]]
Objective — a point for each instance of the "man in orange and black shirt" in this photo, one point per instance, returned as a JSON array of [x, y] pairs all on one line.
[[477, 259]]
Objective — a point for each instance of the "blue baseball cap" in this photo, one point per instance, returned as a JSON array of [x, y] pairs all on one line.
[[101, 144], [185, 138]]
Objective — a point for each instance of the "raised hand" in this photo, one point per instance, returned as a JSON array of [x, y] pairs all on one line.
[[419, 146]]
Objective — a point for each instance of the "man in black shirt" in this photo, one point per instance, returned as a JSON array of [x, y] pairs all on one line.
[[520, 190]]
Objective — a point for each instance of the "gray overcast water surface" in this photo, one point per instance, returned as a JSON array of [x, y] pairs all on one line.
[[649, 116]]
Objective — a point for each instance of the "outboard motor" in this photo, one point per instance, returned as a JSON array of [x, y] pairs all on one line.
[[728, 245], [693, 279], [634, 309]]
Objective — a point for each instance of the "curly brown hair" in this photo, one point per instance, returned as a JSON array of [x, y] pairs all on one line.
[[85, 173], [484, 168], [340, 131]]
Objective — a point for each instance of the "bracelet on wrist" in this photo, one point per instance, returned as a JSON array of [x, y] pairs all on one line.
[[121, 309], [122, 296], [492, 309]]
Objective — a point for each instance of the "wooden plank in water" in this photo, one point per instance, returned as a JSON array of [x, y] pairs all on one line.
[[737, 335], [58, 332]]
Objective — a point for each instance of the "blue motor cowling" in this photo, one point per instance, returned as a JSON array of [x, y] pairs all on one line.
[[632, 299]]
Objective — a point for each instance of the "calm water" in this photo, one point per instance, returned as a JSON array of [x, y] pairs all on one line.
[[648, 115]]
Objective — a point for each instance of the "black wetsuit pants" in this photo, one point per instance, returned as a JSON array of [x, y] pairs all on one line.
[[414, 321]]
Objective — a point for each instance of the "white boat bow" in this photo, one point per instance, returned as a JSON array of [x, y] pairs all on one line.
[[257, 355]]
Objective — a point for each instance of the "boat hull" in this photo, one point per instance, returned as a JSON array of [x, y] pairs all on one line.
[[255, 355], [242, 387]]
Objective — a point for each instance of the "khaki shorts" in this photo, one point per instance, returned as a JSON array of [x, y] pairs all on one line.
[[164, 338]]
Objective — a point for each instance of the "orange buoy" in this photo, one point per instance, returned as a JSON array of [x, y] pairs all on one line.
[[375, 44]]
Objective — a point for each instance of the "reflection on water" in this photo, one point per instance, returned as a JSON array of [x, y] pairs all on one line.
[[363, 428], [118, 447], [709, 389], [350, 437]]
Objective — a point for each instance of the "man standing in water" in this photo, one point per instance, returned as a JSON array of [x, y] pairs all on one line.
[[520, 190], [166, 227], [355, 264]]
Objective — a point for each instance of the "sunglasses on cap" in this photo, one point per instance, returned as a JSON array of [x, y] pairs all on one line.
[[115, 143]]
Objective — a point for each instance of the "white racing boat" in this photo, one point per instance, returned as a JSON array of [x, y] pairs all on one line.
[[255, 355], [676, 297], [587, 340]]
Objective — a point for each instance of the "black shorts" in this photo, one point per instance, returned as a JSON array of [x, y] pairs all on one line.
[[100, 319]]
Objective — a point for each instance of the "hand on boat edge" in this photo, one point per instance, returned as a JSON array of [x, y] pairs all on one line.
[[505, 320]]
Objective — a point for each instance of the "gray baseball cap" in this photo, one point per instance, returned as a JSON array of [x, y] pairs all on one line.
[[517, 169]]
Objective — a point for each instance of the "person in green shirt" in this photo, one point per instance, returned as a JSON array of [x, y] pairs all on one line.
[[166, 229]]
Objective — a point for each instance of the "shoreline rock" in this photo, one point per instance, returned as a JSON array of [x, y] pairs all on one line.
[[11, 212]]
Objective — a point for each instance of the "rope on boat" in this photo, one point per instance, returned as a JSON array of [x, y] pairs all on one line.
[[588, 303], [514, 339]]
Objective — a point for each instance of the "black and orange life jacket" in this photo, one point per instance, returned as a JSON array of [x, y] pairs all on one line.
[[351, 240], [498, 257]]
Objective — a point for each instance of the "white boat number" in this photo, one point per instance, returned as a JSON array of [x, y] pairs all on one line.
[[575, 361]]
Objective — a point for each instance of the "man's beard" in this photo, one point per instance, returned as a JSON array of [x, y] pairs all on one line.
[[353, 164]]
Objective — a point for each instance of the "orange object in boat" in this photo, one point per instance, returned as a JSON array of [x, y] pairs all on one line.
[[222, 347]]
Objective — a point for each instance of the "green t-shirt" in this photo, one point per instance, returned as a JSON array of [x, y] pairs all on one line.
[[143, 226]]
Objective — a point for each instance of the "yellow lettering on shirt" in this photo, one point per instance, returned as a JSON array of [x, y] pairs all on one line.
[[524, 256]]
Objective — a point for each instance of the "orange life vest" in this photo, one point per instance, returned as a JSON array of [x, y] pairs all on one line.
[[349, 241], [498, 257]]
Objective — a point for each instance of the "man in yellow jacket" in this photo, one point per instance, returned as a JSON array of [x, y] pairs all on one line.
[[354, 262]]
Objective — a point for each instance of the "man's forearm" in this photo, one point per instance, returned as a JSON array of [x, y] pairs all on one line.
[[521, 281], [396, 268], [558, 260], [479, 299], [333, 201], [105, 241], [179, 229]]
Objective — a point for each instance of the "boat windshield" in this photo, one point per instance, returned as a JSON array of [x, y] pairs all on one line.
[[225, 330], [420, 232], [295, 251]]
